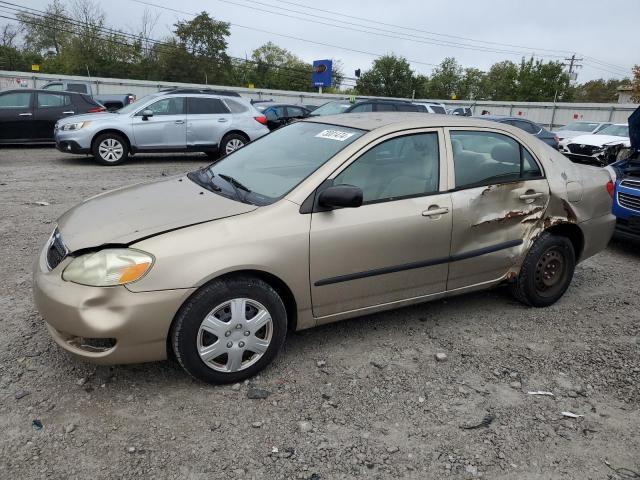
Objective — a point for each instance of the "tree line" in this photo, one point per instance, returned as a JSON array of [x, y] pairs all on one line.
[[74, 38]]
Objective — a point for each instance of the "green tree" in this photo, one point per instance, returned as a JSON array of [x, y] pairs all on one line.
[[472, 86], [276, 67], [390, 76], [599, 91], [635, 94], [501, 81], [51, 31], [539, 81], [446, 79]]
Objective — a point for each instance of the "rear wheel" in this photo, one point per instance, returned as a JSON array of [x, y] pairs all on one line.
[[110, 149], [229, 330], [232, 142], [546, 272]]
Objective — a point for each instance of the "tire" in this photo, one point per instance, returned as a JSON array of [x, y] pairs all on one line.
[[110, 149], [205, 338], [546, 272], [232, 142]]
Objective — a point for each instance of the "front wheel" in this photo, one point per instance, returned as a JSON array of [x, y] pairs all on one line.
[[110, 149], [232, 142], [229, 330], [546, 272]]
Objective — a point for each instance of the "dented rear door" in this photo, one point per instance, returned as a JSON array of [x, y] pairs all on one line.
[[492, 219]]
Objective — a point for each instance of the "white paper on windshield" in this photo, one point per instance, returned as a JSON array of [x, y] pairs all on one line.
[[335, 135]]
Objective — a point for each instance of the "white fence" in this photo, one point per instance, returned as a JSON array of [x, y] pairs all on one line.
[[545, 113]]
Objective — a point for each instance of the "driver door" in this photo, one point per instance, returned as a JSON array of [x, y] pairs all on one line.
[[166, 129], [396, 245]]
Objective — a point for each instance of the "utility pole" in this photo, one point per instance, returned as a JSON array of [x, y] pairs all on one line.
[[573, 64]]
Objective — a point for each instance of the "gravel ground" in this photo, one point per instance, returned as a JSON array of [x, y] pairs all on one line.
[[363, 398]]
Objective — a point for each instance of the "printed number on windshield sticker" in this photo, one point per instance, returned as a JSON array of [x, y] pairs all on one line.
[[335, 135]]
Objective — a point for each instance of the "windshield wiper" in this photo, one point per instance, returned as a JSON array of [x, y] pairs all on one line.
[[237, 186]]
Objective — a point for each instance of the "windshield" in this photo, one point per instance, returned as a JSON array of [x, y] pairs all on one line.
[[581, 127], [137, 104], [331, 108], [615, 130], [265, 170]]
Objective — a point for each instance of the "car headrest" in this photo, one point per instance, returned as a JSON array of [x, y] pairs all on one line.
[[503, 152], [457, 146]]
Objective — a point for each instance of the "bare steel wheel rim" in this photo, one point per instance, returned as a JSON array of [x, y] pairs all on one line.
[[550, 272], [235, 335], [233, 145], [110, 150]]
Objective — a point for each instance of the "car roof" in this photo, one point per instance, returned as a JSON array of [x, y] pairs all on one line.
[[403, 120], [35, 90], [496, 118]]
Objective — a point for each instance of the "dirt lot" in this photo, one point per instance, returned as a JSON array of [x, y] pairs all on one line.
[[381, 406]]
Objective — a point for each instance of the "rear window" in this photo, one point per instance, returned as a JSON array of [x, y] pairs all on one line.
[[204, 106], [407, 107], [77, 87], [236, 107]]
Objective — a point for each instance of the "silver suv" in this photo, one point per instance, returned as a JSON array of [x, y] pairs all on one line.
[[163, 122]]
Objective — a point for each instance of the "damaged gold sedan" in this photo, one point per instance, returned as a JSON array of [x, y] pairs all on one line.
[[319, 221]]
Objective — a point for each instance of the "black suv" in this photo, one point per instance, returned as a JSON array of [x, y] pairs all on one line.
[[384, 106]]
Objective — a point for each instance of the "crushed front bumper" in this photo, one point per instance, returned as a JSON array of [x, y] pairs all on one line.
[[106, 325]]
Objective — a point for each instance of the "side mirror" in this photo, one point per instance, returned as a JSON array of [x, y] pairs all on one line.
[[146, 114], [341, 196]]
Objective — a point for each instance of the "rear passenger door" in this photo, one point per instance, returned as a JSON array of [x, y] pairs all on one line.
[[207, 121], [499, 195], [50, 107]]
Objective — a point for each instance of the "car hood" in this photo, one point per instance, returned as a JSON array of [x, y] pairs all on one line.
[[599, 140], [88, 117], [128, 214], [568, 133]]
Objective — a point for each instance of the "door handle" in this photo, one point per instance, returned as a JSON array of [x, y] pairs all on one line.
[[222, 120], [25, 114], [68, 113], [531, 196], [179, 122], [435, 211]]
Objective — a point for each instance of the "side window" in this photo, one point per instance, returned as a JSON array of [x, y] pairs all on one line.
[[203, 106], [485, 158], [46, 100], [365, 107], [527, 126], [167, 106], [385, 107], [77, 87], [15, 100], [235, 107], [270, 113], [401, 167], [408, 107], [295, 112], [56, 87]]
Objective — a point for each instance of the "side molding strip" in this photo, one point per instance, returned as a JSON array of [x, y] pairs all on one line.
[[426, 263]]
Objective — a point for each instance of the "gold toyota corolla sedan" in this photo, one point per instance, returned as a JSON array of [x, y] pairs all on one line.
[[319, 221]]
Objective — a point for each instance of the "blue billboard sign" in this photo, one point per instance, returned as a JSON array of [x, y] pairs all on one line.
[[322, 73]]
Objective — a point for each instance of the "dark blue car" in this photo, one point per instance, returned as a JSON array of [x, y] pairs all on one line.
[[533, 128], [626, 194]]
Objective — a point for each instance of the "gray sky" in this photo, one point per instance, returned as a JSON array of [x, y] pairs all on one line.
[[603, 32]]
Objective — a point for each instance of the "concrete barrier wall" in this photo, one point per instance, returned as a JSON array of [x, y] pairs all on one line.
[[550, 114]]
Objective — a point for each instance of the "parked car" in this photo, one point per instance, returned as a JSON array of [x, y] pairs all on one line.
[[111, 102], [575, 129], [592, 149], [331, 108], [528, 126], [163, 122], [208, 91], [626, 204], [279, 114], [433, 107], [321, 220], [462, 111], [369, 105], [29, 115]]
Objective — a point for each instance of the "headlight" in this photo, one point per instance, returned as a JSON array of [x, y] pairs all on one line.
[[74, 126], [109, 267]]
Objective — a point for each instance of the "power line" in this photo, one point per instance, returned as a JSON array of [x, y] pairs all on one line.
[[443, 34], [156, 43], [394, 34], [378, 55]]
